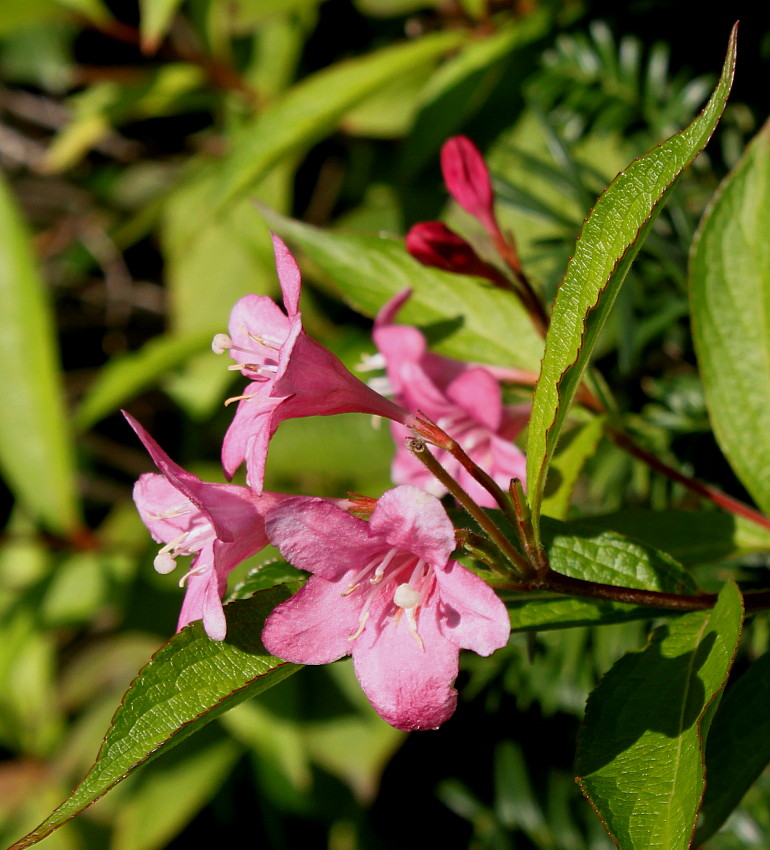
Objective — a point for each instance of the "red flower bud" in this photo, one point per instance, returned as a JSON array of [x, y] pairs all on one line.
[[434, 244]]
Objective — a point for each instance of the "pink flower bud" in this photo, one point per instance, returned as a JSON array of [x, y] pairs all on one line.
[[467, 178]]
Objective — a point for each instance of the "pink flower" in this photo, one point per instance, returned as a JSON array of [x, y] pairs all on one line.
[[387, 593], [291, 374], [467, 178], [219, 525], [463, 399]]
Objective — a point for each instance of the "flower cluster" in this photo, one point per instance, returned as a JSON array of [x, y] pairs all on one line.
[[383, 588]]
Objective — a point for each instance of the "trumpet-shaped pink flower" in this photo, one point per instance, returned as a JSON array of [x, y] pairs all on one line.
[[219, 525], [387, 593], [463, 399], [291, 374]]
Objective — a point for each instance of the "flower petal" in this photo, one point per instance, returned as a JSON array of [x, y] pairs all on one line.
[[471, 615], [409, 682], [478, 394], [165, 511], [288, 275], [317, 536], [314, 626], [414, 521], [203, 601]]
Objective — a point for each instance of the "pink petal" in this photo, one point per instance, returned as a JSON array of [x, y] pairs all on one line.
[[248, 438], [288, 275], [252, 317], [203, 601], [314, 626], [320, 538], [414, 521], [408, 683], [478, 393], [388, 312], [163, 509], [471, 615]]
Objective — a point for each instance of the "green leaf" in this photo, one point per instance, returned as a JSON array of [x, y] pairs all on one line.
[[210, 263], [94, 10], [577, 445], [590, 552], [188, 683], [609, 241], [541, 612], [691, 537], [130, 374], [640, 760], [36, 451], [155, 20], [470, 319], [580, 550], [738, 746], [730, 289], [189, 776], [312, 108]]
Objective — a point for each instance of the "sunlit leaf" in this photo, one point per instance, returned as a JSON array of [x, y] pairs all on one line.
[[312, 108], [738, 746], [461, 316], [730, 288], [610, 239], [156, 17], [188, 683], [640, 758], [36, 452]]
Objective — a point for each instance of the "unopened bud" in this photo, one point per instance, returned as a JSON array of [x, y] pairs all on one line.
[[467, 178], [434, 244]]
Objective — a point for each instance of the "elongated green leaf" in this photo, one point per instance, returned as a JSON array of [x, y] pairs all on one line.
[[189, 776], [36, 452], [609, 241], [738, 746], [471, 320], [155, 20], [640, 759], [126, 376], [312, 108], [188, 683], [578, 445], [730, 289]]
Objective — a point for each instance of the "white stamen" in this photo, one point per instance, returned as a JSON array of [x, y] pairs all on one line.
[[164, 563], [371, 363], [235, 398], [381, 385], [195, 571], [221, 343], [267, 341], [170, 513], [406, 597]]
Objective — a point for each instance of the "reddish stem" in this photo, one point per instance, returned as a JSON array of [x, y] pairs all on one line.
[[728, 503]]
